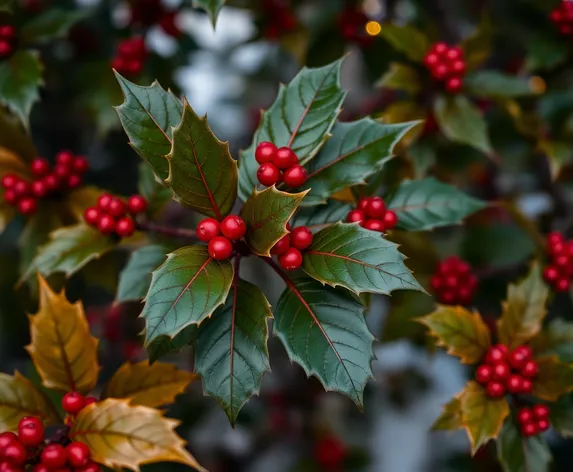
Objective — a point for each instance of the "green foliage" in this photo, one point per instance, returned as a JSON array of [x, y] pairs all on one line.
[[407, 39], [519, 454], [135, 278], [212, 7], [489, 83], [50, 25]]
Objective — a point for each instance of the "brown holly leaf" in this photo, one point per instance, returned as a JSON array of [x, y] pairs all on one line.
[[123, 435], [451, 417], [62, 349], [462, 332], [554, 380], [11, 163], [524, 310], [482, 417], [149, 385], [20, 398]]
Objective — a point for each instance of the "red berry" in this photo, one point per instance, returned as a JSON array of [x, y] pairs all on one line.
[[526, 385], [291, 259], [529, 429], [90, 401], [447, 298], [54, 456], [540, 411], [454, 85], [5, 48], [454, 53], [526, 351], [65, 159], [73, 402], [7, 31], [106, 224], [364, 203], [495, 354], [483, 373], [265, 152], [73, 181], [92, 216], [51, 182], [41, 468], [495, 390], [81, 165], [9, 180], [10, 197], [550, 274], [514, 384], [268, 174], [233, 227], [459, 68], [6, 438], [500, 371], [31, 431], [517, 358], [440, 48], [295, 176], [543, 425], [373, 225], [530, 369], [440, 71], [562, 285], [208, 229], [390, 219], [554, 238], [116, 207], [355, 216], [78, 454], [301, 238], [285, 158], [104, 200], [524, 416], [91, 467], [281, 246], [136, 204], [125, 227], [15, 453], [431, 60], [27, 205], [39, 189], [21, 188], [220, 248], [376, 208], [39, 167]]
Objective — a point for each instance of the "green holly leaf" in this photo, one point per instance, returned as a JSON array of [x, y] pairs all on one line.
[[519, 454], [202, 173], [266, 214], [164, 345], [155, 192], [555, 378], [428, 204], [477, 46], [451, 416], [231, 350], [135, 278], [461, 122], [185, 290], [148, 115], [495, 84], [545, 52], [332, 323], [356, 151], [322, 215], [401, 77], [524, 309], [558, 153], [49, 25], [212, 7], [20, 80], [301, 117], [561, 416], [462, 332], [556, 338], [357, 259], [406, 39]]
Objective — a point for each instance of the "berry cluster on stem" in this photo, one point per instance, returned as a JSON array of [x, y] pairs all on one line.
[[113, 216], [7, 41], [279, 19], [534, 420], [221, 235], [130, 56], [352, 26], [279, 165], [562, 17], [66, 174], [289, 248], [147, 13], [372, 214], [453, 283], [559, 270], [447, 66]]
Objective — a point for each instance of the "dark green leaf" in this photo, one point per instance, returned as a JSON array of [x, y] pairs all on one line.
[[135, 278], [184, 291], [14, 137], [49, 25], [155, 192], [562, 416], [165, 345], [7, 5], [555, 378], [355, 151], [558, 153], [231, 350], [212, 7], [545, 52], [358, 259], [324, 331], [427, 204], [451, 416], [401, 77], [477, 47], [202, 173], [422, 154], [557, 338], [301, 117], [519, 454], [491, 83], [321, 215], [406, 39]]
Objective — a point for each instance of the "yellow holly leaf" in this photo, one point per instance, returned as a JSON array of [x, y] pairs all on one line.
[[123, 435], [11, 163], [554, 380], [150, 385], [62, 349], [451, 417], [344, 195]]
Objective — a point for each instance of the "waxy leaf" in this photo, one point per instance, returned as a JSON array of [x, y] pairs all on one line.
[[401, 77], [451, 417], [482, 416], [185, 290], [561, 416], [406, 39], [123, 435], [427, 204], [556, 338], [555, 378], [49, 25], [332, 211], [202, 173], [519, 454], [212, 7], [356, 151], [524, 309], [492, 84], [301, 118], [149, 385], [266, 214], [462, 332], [135, 278], [20, 398], [155, 191], [62, 348], [324, 331], [148, 115], [358, 259], [164, 345], [231, 349]]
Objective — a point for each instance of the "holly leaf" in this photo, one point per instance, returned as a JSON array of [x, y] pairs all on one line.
[[556, 338], [519, 454], [495, 84], [49, 25], [20, 80], [558, 153], [20, 398], [164, 345], [451, 416], [332, 322], [356, 151], [14, 137], [7, 5], [231, 349], [151, 385], [266, 214], [7, 213], [561, 416], [462, 332], [202, 173], [477, 46], [185, 290], [357, 259], [62, 348], [332, 211], [301, 118], [157, 194], [407, 39], [212, 7], [428, 203], [11, 163], [148, 115], [82, 198], [123, 435], [135, 278], [401, 77], [482, 416], [461, 122], [524, 310], [555, 378]]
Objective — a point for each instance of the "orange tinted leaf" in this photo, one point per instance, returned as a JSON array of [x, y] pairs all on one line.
[[451, 417], [554, 380]]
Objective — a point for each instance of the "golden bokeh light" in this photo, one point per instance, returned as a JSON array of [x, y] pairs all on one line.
[[373, 28]]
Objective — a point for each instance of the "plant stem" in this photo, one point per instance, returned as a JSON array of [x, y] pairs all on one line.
[[167, 231], [278, 270]]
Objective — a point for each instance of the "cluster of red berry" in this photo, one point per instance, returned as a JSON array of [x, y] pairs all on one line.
[[453, 282], [533, 420], [151, 12], [559, 270], [562, 17], [447, 65], [330, 453], [112, 215], [279, 19], [278, 165], [373, 215], [130, 56], [67, 174], [352, 26], [289, 247], [209, 230], [7, 40]]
